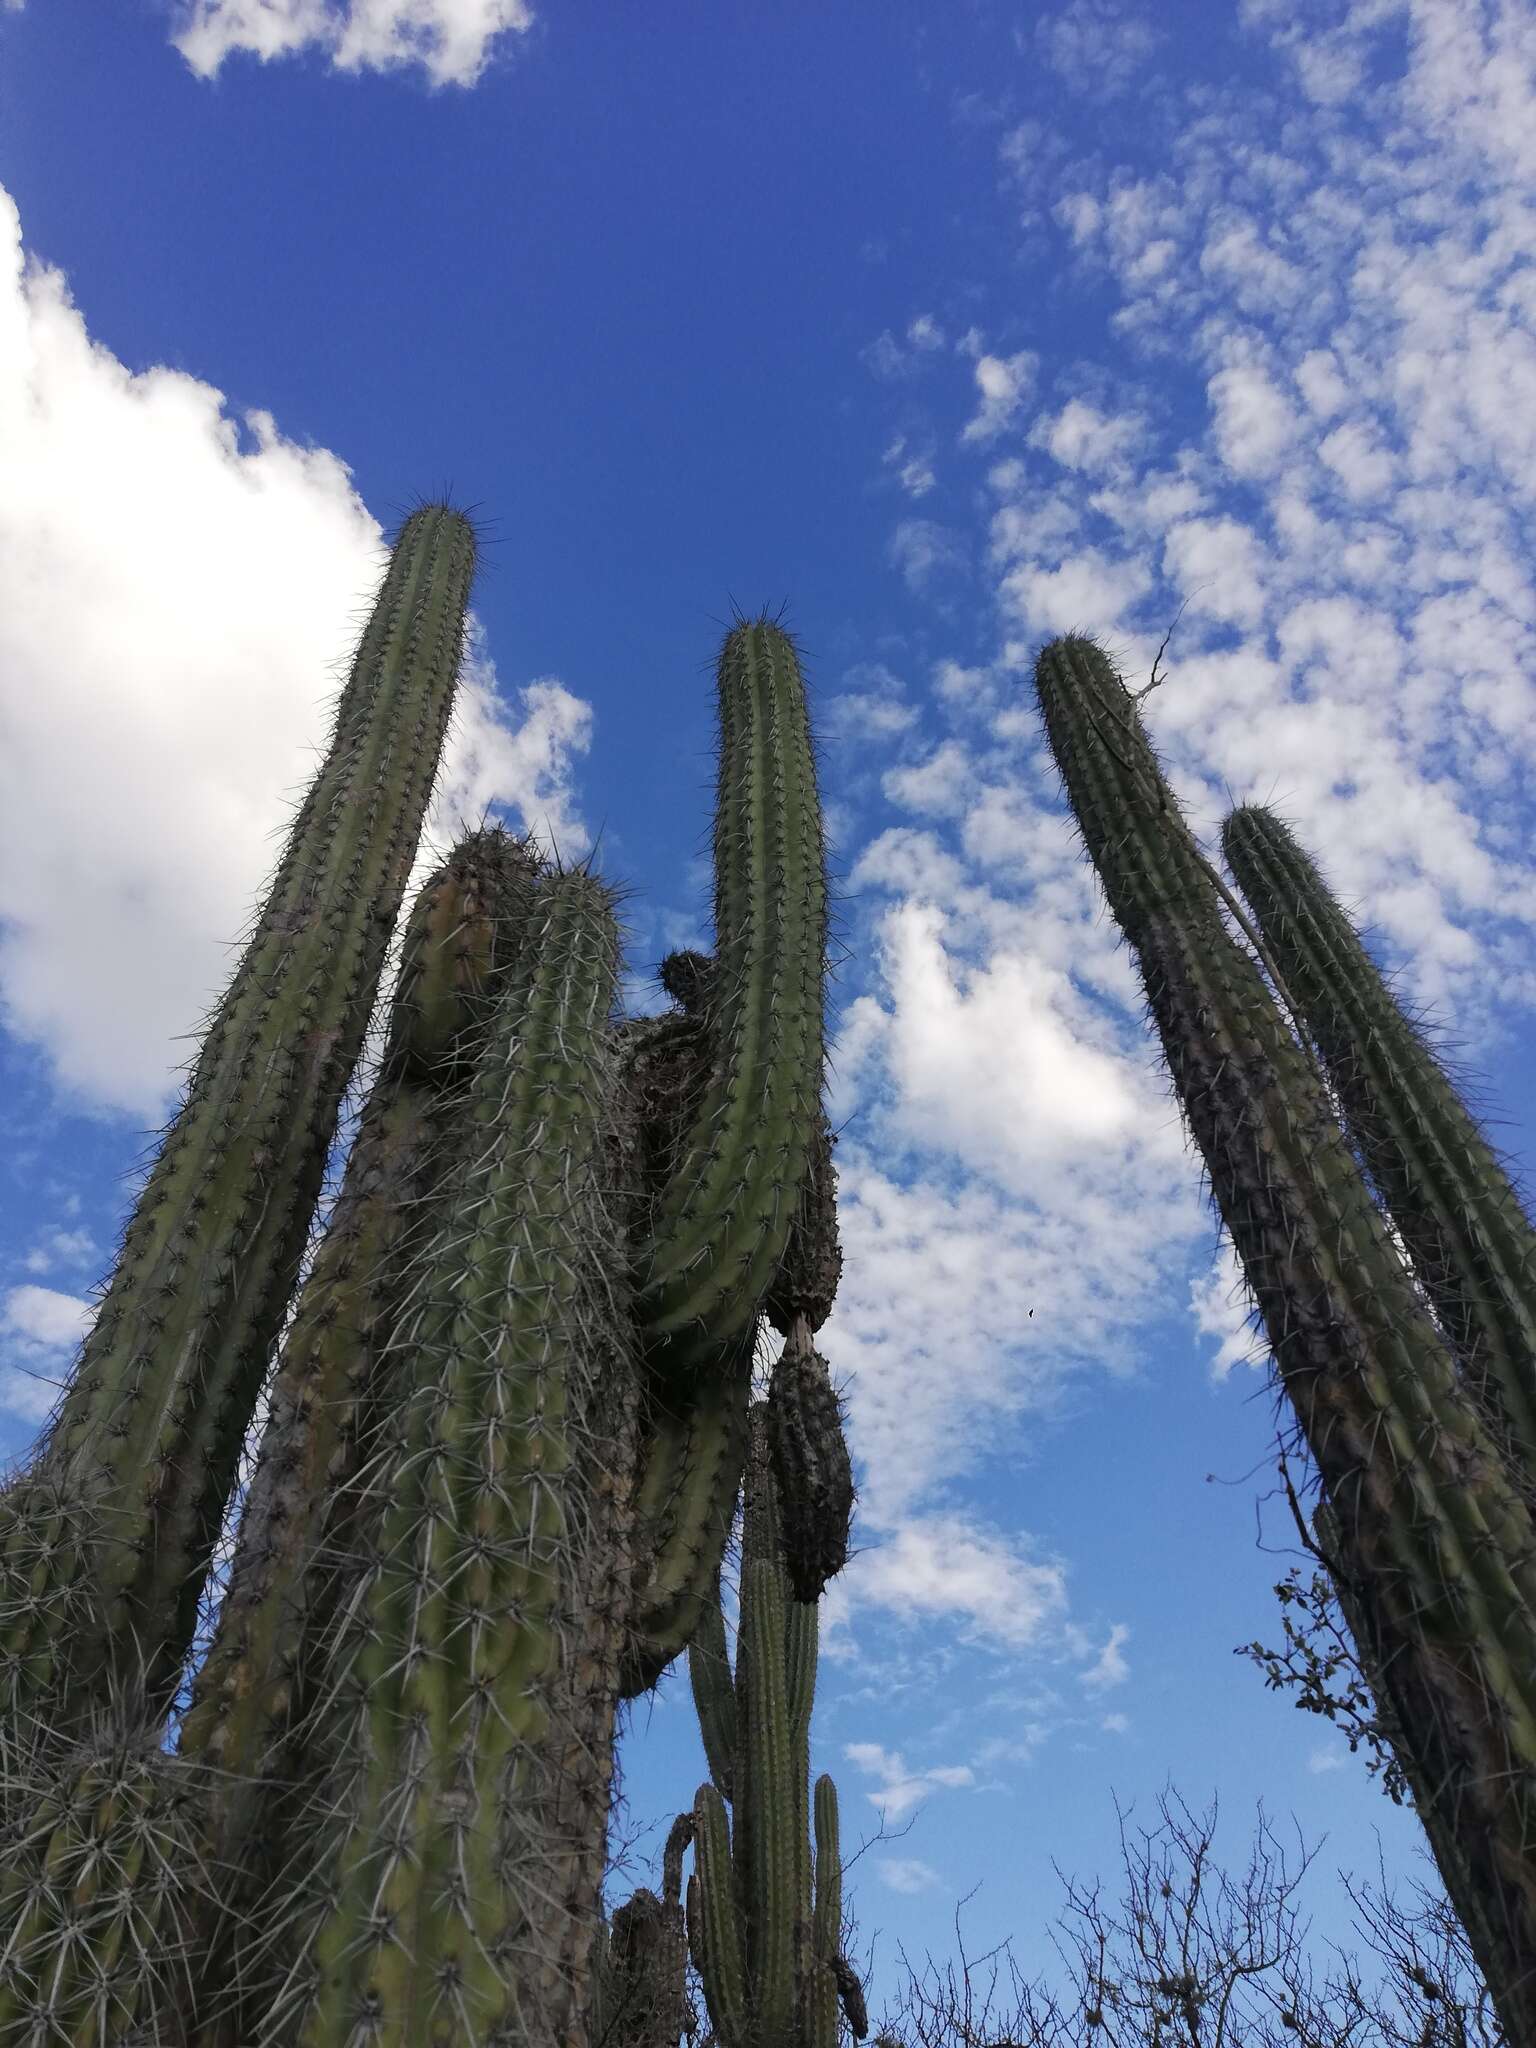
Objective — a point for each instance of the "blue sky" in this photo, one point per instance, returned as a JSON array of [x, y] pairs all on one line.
[[953, 328]]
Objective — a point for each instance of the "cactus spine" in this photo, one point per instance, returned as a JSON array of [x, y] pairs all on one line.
[[764, 1921], [1470, 1241], [1435, 1535], [105, 1541]]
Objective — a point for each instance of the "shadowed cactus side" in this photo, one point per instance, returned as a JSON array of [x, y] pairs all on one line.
[[1434, 1541], [639, 1987], [105, 1540]]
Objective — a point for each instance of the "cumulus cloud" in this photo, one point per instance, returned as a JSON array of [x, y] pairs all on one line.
[[179, 589], [1080, 436], [1003, 383], [451, 40], [39, 1331]]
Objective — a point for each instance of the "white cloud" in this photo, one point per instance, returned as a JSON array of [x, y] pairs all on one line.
[[1086, 590], [452, 40], [1109, 1668], [60, 1248], [178, 592], [1082, 437], [41, 1315], [1355, 455], [912, 470], [908, 1875], [1217, 565], [1253, 424], [899, 1789], [1219, 1306], [925, 551], [1098, 48], [1003, 382], [39, 1331]]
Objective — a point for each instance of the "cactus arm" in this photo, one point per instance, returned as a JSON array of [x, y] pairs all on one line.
[[714, 1927], [1470, 1240], [473, 906], [725, 1218], [772, 1862], [100, 1887], [685, 1506], [829, 1870], [148, 1435], [1442, 1535], [442, 1865], [714, 1695]]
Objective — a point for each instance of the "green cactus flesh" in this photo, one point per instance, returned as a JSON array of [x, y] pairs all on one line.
[[1440, 1534], [725, 1218], [105, 1542], [462, 936], [685, 1503], [764, 1922], [432, 1890], [102, 1894], [1459, 1215]]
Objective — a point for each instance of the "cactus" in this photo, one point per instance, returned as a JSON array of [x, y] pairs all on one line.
[[1435, 1538], [444, 1710], [723, 1222], [764, 1920], [465, 930], [1470, 1241], [640, 1997], [505, 1433], [105, 1540], [103, 1890]]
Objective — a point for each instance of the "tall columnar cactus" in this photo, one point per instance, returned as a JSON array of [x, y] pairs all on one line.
[[723, 1220], [443, 1717], [1436, 1541], [105, 1541], [1470, 1240], [467, 927], [505, 1433], [764, 1919]]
